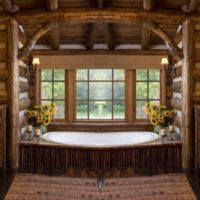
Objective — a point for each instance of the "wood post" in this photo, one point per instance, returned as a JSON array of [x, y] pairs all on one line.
[[13, 85], [188, 88]]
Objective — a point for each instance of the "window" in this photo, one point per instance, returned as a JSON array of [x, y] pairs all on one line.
[[100, 94], [53, 90], [92, 95], [147, 90]]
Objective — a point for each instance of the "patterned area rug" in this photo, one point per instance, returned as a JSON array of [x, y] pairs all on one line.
[[41, 187]]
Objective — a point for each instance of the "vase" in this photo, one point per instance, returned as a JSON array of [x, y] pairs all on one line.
[[37, 134], [157, 129], [43, 129], [163, 134]]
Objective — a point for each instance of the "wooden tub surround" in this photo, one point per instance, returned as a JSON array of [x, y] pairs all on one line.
[[45, 157]]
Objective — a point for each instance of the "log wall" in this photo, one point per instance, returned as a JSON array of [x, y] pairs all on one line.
[[3, 63]]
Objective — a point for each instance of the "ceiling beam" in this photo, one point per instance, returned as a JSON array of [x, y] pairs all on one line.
[[172, 47], [9, 6], [91, 15], [148, 5], [52, 5], [92, 30], [191, 7], [108, 31], [30, 44], [100, 52]]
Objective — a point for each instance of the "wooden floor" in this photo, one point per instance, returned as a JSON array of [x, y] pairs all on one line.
[[193, 177]]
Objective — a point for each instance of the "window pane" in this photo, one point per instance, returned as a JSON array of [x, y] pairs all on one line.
[[59, 75], [119, 74], [119, 110], [81, 110], [59, 90], [46, 75], [141, 74], [154, 90], [154, 75], [100, 110], [140, 114], [100, 74], [46, 90], [82, 90], [60, 107], [100, 91], [119, 90], [81, 74], [141, 90]]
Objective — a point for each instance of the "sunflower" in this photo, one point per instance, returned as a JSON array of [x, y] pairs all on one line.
[[167, 113], [39, 120], [34, 113], [154, 121], [46, 112], [47, 121], [46, 107], [53, 110], [161, 120], [40, 116], [29, 114]]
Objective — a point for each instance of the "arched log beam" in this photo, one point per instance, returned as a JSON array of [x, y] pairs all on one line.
[[52, 6], [29, 46], [9, 6], [191, 7], [174, 50]]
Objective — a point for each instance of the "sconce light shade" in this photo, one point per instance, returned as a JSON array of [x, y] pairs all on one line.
[[36, 61], [164, 61]]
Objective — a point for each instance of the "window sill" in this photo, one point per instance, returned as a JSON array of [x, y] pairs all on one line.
[[123, 126]]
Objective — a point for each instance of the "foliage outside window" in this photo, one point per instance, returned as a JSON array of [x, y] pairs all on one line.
[[53, 90], [100, 94], [147, 90]]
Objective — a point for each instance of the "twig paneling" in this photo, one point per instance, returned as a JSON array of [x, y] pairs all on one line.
[[46, 158]]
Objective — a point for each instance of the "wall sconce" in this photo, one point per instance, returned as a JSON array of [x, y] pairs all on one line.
[[32, 65], [166, 62]]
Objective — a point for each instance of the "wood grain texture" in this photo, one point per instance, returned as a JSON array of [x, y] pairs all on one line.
[[29, 46], [13, 82], [187, 88]]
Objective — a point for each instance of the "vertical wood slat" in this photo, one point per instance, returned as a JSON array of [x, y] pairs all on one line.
[[187, 88], [49, 158]]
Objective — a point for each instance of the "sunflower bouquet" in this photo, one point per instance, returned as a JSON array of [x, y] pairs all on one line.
[[41, 114], [159, 115]]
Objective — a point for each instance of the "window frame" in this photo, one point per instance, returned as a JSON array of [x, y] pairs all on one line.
[[130, 98]]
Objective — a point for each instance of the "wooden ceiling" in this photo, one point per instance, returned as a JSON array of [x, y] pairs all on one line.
[[82, 33]]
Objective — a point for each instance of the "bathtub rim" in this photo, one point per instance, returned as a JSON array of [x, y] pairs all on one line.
[[152, 142]]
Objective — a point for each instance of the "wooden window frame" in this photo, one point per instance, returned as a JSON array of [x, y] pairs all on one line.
[[130, 98]]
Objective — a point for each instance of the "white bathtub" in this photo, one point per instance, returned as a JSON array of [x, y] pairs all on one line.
[[105, 139]]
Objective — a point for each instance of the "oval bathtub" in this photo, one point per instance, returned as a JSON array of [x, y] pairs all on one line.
[[100, 140]]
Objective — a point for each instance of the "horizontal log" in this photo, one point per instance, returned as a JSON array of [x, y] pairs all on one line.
[[100, 52], [197, 55], [177, 86], [4, 96], [23, 87], [24, 103], [3, 74], [177, 73], [31, 92], [196, 97], [23, 72], [178, 122], [92, 15], [196, 74], [176, 103]]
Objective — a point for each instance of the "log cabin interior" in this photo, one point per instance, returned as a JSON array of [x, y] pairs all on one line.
[[99, 89]]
